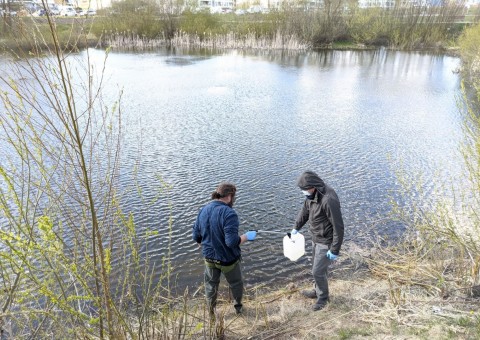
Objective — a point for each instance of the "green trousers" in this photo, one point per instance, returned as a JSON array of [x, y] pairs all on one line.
[[233, 275]]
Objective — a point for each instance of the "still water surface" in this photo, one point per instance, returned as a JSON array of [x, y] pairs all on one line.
[[260, 120]]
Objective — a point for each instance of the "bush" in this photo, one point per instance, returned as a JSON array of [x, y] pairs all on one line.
[[130, 18], [199, 23], [469, 43]]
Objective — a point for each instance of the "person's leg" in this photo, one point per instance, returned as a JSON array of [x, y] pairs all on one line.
[[311, 293], [320, 271], [212, 281], [235, 281]]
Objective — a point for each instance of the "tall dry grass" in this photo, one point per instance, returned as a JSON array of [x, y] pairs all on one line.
[[406, 27], [434, 270]]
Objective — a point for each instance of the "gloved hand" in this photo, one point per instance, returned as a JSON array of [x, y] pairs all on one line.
[[331, 256], [251, 235], [294, 231]]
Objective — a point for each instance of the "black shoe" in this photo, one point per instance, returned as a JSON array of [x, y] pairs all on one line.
[[319, 306], [311, 294], [213, 316], [238, 310], [212, 313]]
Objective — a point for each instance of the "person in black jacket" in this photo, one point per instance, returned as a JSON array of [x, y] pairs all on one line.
[[322, 210]]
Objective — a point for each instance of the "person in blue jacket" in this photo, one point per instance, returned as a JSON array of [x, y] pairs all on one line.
[[216, 231]]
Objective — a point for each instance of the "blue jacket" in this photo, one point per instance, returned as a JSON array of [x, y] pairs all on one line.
[[216, 228]]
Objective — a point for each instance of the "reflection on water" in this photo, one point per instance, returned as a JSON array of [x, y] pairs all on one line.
[[261, 118]]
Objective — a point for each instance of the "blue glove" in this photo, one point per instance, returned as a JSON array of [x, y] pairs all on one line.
[[294, 231], [251, 235], [331, 256]]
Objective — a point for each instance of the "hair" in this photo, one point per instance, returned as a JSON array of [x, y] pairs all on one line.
[[223, 190]]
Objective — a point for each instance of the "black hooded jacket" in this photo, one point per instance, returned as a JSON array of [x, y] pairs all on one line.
[[323, 212]]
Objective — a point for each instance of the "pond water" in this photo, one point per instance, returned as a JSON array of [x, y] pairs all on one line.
[[259, 119]]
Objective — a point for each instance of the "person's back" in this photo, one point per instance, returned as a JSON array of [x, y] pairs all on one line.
[[219, 232]]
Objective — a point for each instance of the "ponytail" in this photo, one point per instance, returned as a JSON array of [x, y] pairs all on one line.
[[223, 190], [215, 195]]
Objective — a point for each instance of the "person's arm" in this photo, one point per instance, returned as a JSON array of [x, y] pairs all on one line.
[[302, 216], [231, 226], [231, 231], [196, 233], [334, 214]]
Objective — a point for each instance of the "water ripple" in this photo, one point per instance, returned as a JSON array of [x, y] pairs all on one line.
[[259, 121]]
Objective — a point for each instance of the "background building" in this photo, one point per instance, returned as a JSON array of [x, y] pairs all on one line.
[[85, 4]]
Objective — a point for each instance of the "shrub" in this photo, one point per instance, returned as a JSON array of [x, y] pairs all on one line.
[[469, 43], [199, 23]]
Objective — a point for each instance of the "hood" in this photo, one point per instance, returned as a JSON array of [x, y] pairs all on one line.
[[310, 179]]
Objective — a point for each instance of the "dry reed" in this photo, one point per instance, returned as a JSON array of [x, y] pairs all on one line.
[[230, 40]]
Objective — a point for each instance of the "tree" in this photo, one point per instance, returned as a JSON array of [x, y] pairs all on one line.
[[60, 214], [5, 6]]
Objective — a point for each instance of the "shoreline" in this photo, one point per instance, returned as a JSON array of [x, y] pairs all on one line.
[[217, 43], [363, 305]]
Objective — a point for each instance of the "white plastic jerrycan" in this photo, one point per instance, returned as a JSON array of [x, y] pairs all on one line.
[[294, 246]]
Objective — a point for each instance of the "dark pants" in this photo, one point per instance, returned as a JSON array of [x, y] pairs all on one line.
[[320, 271], [233, 275]]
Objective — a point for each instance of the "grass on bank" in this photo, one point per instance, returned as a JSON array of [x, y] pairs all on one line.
[[127, 25], [379, 293], [402, 27], [29, 32]]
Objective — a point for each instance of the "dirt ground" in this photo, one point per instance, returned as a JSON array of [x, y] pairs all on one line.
[[362, 306]]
